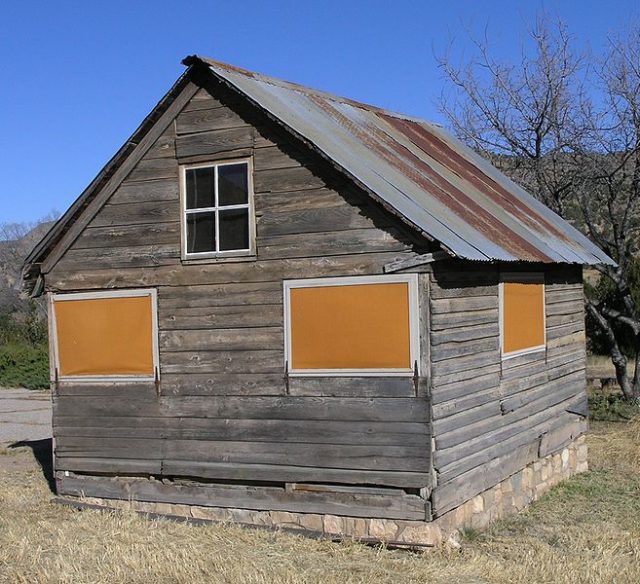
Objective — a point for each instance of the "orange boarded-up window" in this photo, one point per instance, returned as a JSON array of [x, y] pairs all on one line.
[[522, 316], [105, 335], [351, 327]]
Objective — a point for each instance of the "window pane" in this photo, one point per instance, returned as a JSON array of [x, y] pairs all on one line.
[[523, 316], [201, 232], [105, 336], [363, 326], [200, 187], [233, 187], [234, 229]]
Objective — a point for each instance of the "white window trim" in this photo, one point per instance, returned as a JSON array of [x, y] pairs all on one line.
[[124, 293], [183, 211], [522, 277], [414, 325]]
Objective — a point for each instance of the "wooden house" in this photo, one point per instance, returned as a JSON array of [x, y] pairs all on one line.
[[280, 307]]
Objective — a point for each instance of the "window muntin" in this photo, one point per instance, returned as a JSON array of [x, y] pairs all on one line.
[[217, 209], [352, 326], [105, 335], [522, 314]]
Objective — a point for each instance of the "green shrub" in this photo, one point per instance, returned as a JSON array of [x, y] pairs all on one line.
[[23, 365], [610, 406]]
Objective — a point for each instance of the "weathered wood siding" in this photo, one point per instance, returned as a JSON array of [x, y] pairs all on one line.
[[224, 410], [491, 417]]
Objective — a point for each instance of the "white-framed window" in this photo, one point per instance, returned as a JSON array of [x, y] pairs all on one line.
[[217, 209], [522, 313], [105, 336], [352, 326]]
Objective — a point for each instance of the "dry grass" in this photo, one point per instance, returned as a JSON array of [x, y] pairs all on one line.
[[585, 531]]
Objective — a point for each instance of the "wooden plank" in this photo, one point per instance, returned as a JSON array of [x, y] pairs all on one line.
[[563, 330], [534, 429], [204, 120], [287, 179], [461, 421], [138, 213], [555, 296], [262, 361], [473, 399], [396, 505], [249, 407], [490, 289], [242, 430], [463, 388], [492, 367], [250, 317], [128, 256], [464, 334], [154, 168], [572, 307], [466, 363], [559, 385], [446, 322], [463, 304], [245, 472], [182, 384], [196, 274], [306, 221], [549, 398], [202, 100], [352, 386], [237, 339], [273, 157], [521, 383], [164, 146], [297, 200], [400, 458], [214, 142], [454, 351], [557, 439], [129, 235], [224, 294], [329, 243], [130, 466], [146, 191], [447, 497], [302, 408]]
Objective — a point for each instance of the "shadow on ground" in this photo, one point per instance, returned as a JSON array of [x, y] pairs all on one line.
[[43, 453]]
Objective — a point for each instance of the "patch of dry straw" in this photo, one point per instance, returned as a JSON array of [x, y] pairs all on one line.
[[586, 532]]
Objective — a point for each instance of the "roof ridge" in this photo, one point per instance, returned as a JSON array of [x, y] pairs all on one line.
[[305, 89]]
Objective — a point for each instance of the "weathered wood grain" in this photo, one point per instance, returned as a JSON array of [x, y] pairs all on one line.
[[214, 142], [251, 317], [164, 189], [396, 505], [204, 120], [129, 235]]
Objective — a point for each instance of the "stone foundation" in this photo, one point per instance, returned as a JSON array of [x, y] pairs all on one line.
[[508, 496]]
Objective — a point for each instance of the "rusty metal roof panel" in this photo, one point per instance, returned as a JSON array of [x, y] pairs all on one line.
[[422, 173]]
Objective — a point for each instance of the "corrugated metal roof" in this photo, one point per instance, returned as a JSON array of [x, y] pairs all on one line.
[[433, 180]]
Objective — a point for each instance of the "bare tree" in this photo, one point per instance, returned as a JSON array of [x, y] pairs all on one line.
[[525, 116], [578, 151], [611, 201]]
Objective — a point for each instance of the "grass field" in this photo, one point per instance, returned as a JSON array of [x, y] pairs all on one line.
[[585, 531]]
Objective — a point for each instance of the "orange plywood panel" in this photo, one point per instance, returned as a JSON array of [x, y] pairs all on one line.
[[105, 336], [362, 326], [523, 316]]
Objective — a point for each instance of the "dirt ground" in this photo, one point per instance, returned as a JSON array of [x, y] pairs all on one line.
[[24, 415]]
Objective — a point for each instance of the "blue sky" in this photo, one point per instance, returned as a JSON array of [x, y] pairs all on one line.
[[78, 77]]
